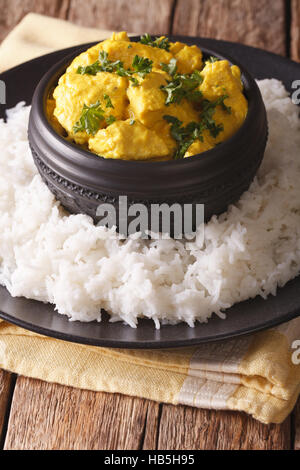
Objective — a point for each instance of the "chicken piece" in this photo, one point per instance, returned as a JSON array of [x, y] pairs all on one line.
[[90, 56], [75, 90], [147, 104], [128, 140], [220, 79]]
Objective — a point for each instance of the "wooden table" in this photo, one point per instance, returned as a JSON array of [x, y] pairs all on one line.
[[38, 415]]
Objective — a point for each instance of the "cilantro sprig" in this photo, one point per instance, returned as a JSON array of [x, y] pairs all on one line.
[[171, 67], [90, 119], [186, 135], [182, 85], [224, 106], [92, 116], [207, 111], [110, 119], [161, 43], [212, 59], [108, 102], [140, 65], [102, 64]]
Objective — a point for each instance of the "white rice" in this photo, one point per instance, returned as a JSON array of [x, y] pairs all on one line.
[[64, 259]]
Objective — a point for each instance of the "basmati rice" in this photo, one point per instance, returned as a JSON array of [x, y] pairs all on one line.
[[250, 250]]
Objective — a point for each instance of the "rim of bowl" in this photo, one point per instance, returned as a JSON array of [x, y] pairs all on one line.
[[251, 92]]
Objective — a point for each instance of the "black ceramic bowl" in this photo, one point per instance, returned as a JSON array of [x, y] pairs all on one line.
[[82, 180]]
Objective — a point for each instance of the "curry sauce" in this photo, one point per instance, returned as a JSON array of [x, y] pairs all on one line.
[[147, 100]]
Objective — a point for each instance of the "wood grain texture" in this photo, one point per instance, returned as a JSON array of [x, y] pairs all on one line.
[[188, 428], [153, 16], [51, 416], [12, 11], [152, 426], [6, 380], [253, 22], [295, 30], [296, 426]]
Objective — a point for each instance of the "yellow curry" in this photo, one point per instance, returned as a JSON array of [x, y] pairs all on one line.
[[147, 100]]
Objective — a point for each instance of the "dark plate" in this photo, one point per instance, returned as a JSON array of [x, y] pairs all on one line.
[[245, 317]]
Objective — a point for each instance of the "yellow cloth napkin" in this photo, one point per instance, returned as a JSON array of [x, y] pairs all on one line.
[[257, 374], [37, 34]]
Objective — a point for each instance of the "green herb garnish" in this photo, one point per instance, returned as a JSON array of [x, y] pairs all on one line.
[[209, 105], [184, 136], [132, 121], [106, 65], [207, 111], [212, 59], [161, 43], [90, 119], [141, 65], [92, 69], [171, 67], [114, 67], [110, 119], [182, 85], [101, 65], [108, 102], [224, 106]]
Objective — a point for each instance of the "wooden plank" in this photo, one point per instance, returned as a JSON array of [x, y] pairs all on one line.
[[48, 416], [151, 426], [6, 380], [296, 426], [252, 22], [153, 16], [12, 11], [295, 30], [187, 428]]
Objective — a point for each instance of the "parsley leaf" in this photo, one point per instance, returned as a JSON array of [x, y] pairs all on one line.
[[108, 102], [142, 65], [146, 39], [110, 119], [209, 123], [212, 59], [107, 65], [101, 65], [171, 67], [161, 43], [182, 86], [184, 136], [207, 111], [92, 69], [224, 106], [134, 81], [90, 119]]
